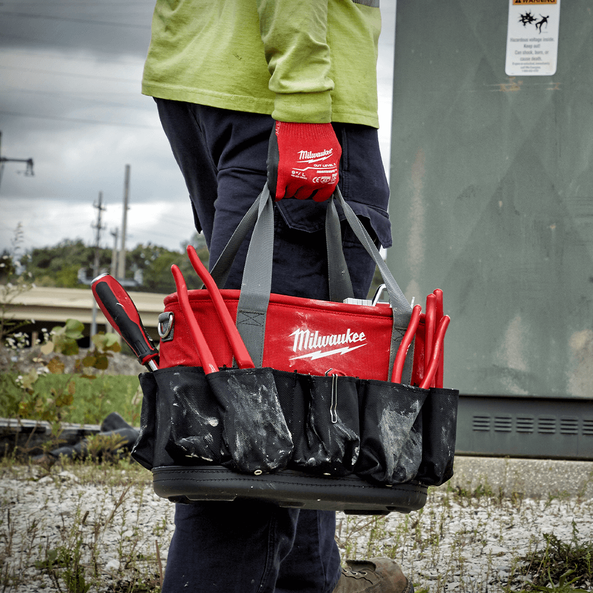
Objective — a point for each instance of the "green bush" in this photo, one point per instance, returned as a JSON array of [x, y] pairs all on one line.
[[87, 395], [71, 398]]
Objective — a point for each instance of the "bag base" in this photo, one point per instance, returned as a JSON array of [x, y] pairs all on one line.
[[288, 488]]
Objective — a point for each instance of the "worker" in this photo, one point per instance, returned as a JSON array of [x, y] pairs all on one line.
[[250, 91]]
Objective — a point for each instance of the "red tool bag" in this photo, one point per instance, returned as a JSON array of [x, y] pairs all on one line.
[[306, 335], [314, 404]]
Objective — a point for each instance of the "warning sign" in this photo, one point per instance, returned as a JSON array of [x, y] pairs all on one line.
[[532, 38]]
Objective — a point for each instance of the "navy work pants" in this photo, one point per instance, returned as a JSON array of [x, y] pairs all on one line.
[[252, 547]]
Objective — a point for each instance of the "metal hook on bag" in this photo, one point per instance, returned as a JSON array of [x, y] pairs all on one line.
[[333, 405], [165, 326], [333, 408], [378, 294]]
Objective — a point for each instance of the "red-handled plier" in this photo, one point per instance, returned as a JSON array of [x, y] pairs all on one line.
[[439, 315], [430, 324], [232, 333], [208, 362], [402, 351], [436, 325], [435, 359]]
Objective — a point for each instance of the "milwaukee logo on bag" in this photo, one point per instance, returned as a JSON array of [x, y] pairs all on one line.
[[318, 346], [304, 335]]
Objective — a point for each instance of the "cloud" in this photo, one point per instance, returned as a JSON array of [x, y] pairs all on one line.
[[70, 99]]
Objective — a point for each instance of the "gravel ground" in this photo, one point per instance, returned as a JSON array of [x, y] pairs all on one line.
[[106, 530]]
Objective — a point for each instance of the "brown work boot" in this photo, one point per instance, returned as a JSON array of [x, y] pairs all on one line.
[[376, 575]]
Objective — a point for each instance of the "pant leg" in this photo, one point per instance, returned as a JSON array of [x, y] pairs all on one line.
[[230, 547], [314, 558], [249, 547]]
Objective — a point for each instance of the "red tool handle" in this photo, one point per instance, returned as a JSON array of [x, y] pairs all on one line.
[[439, 380], [402, 351], [120, 311], [208, 362], [432, 365], [429, 330], [232, 333]]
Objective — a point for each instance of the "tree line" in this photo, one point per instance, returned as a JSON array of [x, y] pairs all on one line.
[[71, 263]]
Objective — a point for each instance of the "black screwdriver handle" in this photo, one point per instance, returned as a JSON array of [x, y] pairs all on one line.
[[122, 314]]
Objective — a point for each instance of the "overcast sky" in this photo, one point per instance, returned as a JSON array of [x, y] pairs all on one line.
[[70, 73]]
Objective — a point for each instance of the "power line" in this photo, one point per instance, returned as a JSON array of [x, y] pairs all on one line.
[[29, 162], [60, 55], [80, 121], [72, 74], [79, 97], [75, 20]]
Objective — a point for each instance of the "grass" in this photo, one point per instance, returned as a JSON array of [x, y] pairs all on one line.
[[568, 564], [92, 401], [88, 532], [99, 528], [480, 541]]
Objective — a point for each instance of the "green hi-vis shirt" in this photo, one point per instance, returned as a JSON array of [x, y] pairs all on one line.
[[299, 60]]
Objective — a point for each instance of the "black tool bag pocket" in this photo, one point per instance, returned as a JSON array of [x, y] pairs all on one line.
[[254, 429], [231, 418], [143, 450], [190, 418], [391, 432], [439, 428], [325, 420], [262, 421]]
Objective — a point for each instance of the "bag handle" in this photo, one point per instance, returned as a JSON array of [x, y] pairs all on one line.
[[340, 284], [257, 274]]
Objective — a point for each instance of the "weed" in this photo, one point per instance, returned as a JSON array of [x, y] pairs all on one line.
[[563, 585], [65, 563], [107, 447], [558, 560], [31, 393]]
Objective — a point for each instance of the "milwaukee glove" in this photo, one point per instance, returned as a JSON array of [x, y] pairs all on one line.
[[303, 161]]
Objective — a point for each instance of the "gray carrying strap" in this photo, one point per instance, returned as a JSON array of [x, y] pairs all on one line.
[[257, 280], [257, 274], [222, 267], [401, 308], [340, 285], [338, 276]]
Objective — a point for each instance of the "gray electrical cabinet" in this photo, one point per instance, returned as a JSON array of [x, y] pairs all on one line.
[[492, 189]]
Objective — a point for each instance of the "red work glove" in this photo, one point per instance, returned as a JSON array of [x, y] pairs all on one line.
[[303, 161]]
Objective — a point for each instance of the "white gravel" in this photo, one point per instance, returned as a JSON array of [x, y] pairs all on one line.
[[115, 534]]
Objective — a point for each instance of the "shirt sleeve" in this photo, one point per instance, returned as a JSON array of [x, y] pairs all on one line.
[[294, 34]]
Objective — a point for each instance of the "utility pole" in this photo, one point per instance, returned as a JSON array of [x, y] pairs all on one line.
[[121, 267], [115, 235], [28, 170], [99, 227]]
